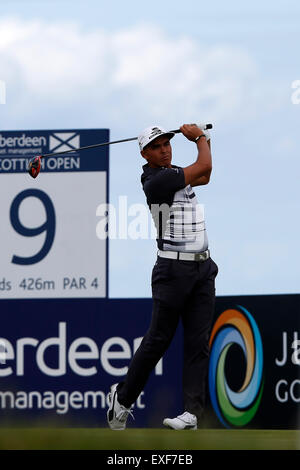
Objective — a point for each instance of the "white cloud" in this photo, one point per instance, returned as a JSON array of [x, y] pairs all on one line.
[[136, 72]]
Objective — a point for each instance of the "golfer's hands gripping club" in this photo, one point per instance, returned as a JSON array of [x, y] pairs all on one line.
[[191, 131]]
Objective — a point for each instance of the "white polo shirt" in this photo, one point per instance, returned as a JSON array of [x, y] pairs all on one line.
[[177, 215]]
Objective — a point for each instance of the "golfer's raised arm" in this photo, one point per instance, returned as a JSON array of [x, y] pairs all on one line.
[[199, 172]]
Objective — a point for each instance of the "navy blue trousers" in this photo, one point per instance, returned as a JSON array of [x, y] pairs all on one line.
[[181, 290]]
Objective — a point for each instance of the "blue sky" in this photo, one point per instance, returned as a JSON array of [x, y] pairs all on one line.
[[126, 65]]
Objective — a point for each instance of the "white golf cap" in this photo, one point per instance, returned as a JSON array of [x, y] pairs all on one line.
[[151, 133]]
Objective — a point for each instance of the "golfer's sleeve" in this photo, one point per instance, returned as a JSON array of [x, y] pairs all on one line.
[[162, 187]]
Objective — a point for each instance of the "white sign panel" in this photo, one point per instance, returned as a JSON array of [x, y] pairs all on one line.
[[49, 246]]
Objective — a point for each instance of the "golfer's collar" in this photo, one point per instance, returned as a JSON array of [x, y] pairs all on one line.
[[149, 169]]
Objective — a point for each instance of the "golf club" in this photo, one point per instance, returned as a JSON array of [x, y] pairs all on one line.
[[34, 165]]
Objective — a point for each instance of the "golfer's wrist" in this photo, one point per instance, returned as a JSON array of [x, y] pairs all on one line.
[[198, 138]]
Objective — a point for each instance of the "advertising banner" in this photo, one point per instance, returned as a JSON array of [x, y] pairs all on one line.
[[254, 371], [60, 357]]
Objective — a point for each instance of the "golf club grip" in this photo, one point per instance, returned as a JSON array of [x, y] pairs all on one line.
[[205, 127]]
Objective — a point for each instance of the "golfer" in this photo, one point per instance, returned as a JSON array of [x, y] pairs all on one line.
[[183, 277]]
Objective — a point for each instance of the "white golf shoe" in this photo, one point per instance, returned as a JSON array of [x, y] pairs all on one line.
[[182, 422], [117, 414]]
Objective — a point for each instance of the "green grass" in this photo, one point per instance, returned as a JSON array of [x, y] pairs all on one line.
[[144, 439]]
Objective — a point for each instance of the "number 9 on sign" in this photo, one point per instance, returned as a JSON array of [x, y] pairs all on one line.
[[48, 226]]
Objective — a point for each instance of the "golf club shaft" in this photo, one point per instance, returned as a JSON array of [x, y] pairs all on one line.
[[176, 131], [87, 147]]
